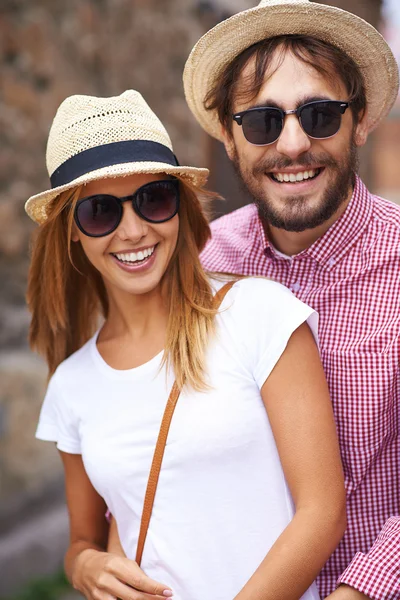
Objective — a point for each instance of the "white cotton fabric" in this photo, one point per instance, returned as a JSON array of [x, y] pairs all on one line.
[[222, 499]]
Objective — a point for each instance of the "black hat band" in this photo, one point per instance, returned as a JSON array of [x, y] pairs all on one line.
[[108, 155]]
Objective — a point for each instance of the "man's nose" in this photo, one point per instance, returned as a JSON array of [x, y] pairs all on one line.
[[293, 141], [131, 227]]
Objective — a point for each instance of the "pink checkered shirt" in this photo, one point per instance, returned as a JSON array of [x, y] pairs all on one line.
[[351, 276]]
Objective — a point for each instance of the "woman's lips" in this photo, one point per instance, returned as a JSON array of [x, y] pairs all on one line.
[[136, 267]]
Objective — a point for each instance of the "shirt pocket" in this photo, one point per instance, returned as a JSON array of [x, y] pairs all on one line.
[[364, 388]]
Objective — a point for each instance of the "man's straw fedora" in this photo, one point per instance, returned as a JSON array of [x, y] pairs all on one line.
[[357, 38], [94, 138]]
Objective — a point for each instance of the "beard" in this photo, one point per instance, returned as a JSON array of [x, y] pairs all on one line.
[[297, 215]]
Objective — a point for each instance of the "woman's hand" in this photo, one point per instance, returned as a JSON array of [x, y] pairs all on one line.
[[98, 574], [104, 576]]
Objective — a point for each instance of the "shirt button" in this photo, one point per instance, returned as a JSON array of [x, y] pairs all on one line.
[[296, 287]]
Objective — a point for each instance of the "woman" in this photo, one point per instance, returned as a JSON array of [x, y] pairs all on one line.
[[250, 500]]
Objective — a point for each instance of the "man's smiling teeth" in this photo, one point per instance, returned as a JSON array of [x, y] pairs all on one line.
[[131, 257], [294, 177]]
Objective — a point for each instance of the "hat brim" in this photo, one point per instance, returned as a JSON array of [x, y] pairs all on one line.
[[37, 206], [351, 34]]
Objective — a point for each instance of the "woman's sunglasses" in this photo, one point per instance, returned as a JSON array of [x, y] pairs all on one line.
[[155, 202], [263, 125]]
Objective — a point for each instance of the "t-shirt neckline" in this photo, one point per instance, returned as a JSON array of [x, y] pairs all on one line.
[[150, 367]]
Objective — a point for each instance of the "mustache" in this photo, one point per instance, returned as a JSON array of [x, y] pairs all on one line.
[[307, 160]]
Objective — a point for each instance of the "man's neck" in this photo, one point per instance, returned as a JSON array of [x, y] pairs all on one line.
[[291, 243]]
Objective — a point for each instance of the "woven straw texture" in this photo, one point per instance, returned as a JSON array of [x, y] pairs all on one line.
[[84, 122], [357, 38]]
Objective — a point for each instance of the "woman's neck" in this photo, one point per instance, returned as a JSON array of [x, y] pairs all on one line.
[[135, 329]]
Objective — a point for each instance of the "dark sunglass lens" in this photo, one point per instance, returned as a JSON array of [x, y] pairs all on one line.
[[158, 201], [321, 120], [262, 126], [98, 215]]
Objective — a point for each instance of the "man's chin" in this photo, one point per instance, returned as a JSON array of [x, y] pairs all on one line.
[[295, 213], [290, 223], [311, 203], [293, 225]]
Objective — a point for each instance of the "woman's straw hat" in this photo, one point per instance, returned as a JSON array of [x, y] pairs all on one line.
[[94, 138], [357, 38]]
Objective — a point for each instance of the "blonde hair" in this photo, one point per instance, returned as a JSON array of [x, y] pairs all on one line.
[[66, 294]]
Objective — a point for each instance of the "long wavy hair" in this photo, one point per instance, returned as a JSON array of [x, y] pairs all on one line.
[[67, 297]]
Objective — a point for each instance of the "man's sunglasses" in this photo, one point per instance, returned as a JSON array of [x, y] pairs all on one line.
[[263, 125], [155, 202]]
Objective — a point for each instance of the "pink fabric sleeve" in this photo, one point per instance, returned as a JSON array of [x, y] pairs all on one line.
[[377, 573]]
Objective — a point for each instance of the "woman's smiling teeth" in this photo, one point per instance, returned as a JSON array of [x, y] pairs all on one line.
[[134, 257], [295, 177]]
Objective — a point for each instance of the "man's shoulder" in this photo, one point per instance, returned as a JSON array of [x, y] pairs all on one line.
[[236, 221], [230, 238], [382, 234], [387, 212]]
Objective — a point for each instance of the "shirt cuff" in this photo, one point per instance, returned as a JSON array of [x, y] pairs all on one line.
[[378, 581]]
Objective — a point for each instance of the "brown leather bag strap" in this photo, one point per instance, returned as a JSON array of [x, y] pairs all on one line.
[[160, 447]]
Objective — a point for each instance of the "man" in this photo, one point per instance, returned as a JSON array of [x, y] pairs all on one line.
[[293, 88]]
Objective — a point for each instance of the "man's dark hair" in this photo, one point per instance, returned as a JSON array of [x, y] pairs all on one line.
[[322, 56]]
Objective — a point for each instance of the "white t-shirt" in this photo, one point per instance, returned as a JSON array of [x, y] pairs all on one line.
[[222, 499]]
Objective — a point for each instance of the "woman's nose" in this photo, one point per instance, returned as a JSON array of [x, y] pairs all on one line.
[[131, 227]]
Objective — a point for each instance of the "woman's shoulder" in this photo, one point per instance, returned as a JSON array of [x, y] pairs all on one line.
[[262, 285], [78, 361], [254, 290], [258, 302], [257, 318]]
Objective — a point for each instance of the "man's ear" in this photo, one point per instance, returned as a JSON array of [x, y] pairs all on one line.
[[361, 130], [228, 142]]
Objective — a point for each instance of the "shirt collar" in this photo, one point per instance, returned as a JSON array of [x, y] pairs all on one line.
[[330, 248], [261, 237], [337, 241]]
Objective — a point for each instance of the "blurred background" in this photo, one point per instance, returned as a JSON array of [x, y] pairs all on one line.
[[49, 50]]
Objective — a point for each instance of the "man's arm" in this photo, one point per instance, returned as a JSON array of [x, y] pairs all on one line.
[[375, 575]]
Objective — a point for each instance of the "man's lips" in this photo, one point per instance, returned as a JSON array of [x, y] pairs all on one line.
[[295, 176]]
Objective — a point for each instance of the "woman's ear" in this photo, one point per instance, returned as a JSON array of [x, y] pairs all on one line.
[[74, 233]]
